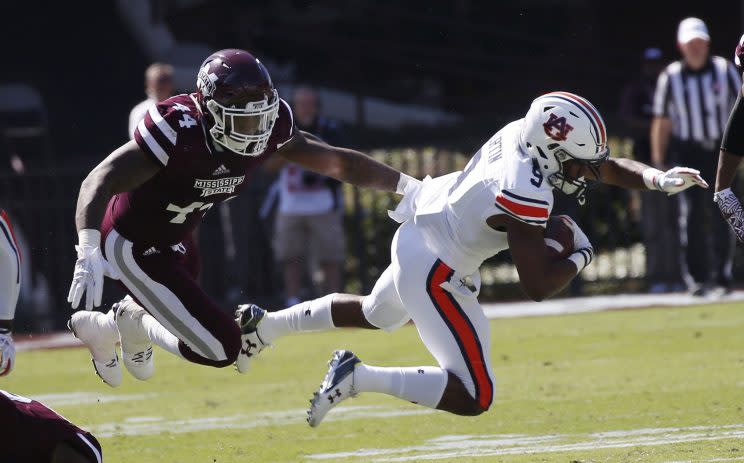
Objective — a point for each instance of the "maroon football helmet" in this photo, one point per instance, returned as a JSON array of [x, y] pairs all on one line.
[[240, 100]]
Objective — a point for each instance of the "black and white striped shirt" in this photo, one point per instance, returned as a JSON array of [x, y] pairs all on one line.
[[698, 102]]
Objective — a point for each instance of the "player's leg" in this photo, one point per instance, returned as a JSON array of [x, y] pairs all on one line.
[[10, 284], [381, 309], [184, 320], [453, 327]]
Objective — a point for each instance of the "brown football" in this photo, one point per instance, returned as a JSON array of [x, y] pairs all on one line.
[[559, 237]]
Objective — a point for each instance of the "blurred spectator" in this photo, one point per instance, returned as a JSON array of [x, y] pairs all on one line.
[[691, 105], [309, 221], [158, 87], [659, 225]]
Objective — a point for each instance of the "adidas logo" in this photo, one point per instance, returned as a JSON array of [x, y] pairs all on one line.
[[221, 170]]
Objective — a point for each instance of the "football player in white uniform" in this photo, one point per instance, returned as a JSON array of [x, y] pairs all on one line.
[[502, 199], [10, 284]]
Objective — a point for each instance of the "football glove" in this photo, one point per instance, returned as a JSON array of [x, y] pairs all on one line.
[[90, 269], [673, 180], [7, 353], [731, 211]]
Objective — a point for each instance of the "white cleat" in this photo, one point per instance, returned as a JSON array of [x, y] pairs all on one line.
[[248, 316], [136, 347], [337, 386], [100, 336]]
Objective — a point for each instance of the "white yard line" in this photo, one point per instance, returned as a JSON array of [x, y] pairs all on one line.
[[458, 446], [84, 398], [151, 425]]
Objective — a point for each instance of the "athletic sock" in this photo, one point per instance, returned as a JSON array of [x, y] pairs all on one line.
[[312, 315], [159, 335], [420, 385]]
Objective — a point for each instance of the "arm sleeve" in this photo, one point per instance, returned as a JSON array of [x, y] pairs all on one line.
[[532, 207], [155, 134]]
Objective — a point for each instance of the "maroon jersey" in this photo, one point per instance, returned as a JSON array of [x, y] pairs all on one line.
[[32, 431], [196, 173]]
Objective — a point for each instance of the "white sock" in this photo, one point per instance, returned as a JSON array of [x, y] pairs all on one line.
[[312, 315], [420, 385], [159, 335]]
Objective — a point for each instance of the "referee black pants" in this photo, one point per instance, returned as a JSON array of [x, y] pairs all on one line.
[[710, 241]]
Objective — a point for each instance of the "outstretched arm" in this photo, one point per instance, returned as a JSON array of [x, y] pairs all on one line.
[[732, 149], [345, 165], [631, 174]]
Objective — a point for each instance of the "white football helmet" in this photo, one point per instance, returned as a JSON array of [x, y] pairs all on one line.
[[561, 127]]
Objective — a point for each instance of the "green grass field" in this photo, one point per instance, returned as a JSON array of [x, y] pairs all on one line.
[[658, 385]]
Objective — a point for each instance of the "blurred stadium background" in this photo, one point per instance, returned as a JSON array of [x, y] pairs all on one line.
[[420, 84]]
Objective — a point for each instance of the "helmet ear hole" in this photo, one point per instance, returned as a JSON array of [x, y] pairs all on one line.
[[553, 146]]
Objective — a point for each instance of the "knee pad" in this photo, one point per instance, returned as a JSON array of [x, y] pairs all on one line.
[[384, 315]]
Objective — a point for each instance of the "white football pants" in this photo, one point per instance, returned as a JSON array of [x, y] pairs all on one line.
[[418, 285]]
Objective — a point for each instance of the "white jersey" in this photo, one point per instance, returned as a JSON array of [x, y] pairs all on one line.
[[451, 211]]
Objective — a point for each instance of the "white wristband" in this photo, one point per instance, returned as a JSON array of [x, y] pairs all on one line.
[[650, 176], [89, 237], [581, 258], [403, 182]]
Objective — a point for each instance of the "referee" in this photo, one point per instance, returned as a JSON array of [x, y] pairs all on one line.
[[692, 101]]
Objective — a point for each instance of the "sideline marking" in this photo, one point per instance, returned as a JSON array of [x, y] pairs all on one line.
[[150, 425], [458, 446]]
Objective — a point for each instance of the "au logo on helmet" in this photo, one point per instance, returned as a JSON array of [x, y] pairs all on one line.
[[557, 128]]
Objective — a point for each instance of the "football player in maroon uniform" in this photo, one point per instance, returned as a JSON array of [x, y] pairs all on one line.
[[34, 433], [732, 151], [137, 209]]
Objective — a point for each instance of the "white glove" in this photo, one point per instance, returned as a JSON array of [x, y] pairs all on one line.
[[90, 269], [409, 188], [583, 250], [731, 211], [7, 353], [674, 180]]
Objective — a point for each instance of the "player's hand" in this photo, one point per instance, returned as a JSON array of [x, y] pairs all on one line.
[[679, 179], [731, 211], [583, 253], [7, 353], [90, 269]]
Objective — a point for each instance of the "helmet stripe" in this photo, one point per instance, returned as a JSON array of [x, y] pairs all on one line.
[[588, 109]]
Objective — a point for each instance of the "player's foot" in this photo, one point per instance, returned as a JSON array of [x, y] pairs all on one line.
[[136, 348], [337, 386], [100, 336], [248, 316]]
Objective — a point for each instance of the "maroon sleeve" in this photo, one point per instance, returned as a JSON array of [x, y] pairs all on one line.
[[156, 134]]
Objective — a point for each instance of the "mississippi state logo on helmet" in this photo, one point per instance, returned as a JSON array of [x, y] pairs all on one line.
[[561, 127], [240, 100]]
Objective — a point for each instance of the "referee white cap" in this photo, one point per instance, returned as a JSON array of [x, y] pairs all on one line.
[[690, 29]]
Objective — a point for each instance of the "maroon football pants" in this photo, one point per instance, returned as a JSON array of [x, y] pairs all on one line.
[[163, 280]]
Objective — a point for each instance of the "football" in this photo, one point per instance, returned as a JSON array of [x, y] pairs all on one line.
[[559, 237]]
